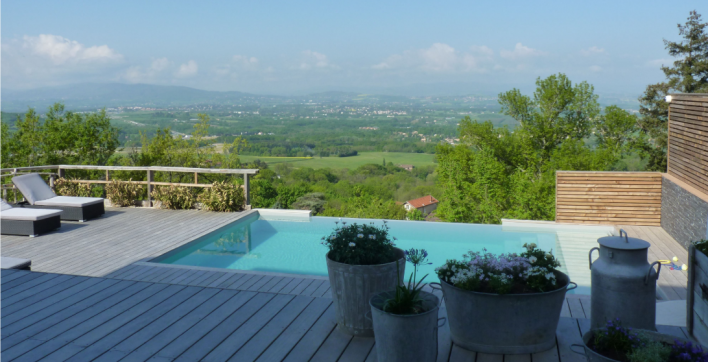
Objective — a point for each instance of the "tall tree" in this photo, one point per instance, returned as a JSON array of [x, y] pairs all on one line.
[[689, 74]]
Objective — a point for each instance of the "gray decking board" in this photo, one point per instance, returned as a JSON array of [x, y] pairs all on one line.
[[101, 246], [106, 319]]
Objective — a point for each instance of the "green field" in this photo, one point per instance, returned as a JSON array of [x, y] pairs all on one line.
[[415, 159]]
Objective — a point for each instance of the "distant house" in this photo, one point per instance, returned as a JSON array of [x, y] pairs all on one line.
[[425, 204], [406, 167]]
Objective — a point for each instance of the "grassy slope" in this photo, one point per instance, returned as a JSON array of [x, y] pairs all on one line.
[[416, 159]]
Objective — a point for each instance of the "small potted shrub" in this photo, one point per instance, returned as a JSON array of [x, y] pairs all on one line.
[[362, 261], [516, 298], [173, 197], [697, 267], [405, 319], [222, 197], [614, 343]]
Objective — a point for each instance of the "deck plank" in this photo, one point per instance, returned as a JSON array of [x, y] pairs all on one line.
[[576, 309], [459, 354], [310, 343]]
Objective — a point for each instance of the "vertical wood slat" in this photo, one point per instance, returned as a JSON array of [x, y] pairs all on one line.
[[627, 198], [687, 125]]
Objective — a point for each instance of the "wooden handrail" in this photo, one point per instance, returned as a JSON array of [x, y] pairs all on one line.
[[150, 175]]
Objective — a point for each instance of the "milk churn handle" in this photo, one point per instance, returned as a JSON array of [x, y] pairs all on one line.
[[437, 286], [590, 255], [443, 320], [651, 267], [626, 238], [575, 285]]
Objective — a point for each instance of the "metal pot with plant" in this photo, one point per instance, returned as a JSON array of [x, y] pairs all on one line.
[[362, 261], [616, 343], [406, 319], [517, 298]]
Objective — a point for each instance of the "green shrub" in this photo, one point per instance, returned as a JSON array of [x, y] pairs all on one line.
[[314, 202], [360, 244], [702, 246], [222, 196], [415, 215], [123, 193], [174, 197], [64, 187], [650, 351]]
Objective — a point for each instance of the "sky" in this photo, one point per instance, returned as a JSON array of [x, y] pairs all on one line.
[[297, 47]]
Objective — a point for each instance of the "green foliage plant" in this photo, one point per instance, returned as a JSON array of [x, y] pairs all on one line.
[[222, 196], [123, 193], [174, 197], [702, 246], [532, 271], [313, 201], [64, 187], [407, 298], [649, 351], [415, 215], [360, 244]]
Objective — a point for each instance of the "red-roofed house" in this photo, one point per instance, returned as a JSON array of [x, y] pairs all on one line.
[[425, 204]]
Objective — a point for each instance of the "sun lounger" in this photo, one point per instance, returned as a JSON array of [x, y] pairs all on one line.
[[32, 222], [38, 195], [7, 262]]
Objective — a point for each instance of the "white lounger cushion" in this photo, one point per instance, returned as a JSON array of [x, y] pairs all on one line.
[[33, 188], [7, 262], [70, 201], [4, 205], [28, 214]]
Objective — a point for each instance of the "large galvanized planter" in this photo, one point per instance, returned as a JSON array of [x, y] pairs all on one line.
[[354, 285], [505, 323], [404, 338], [593, 356], [697, 298]]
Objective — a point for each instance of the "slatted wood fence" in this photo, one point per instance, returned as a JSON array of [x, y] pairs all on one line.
[[688, 139], [613, 198]]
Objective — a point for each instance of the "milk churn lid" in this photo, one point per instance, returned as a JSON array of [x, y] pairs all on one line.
[[623, 242]]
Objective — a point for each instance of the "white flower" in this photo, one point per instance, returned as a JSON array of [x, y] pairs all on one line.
[[372, 237], [532, 259], [360, 236], [352, 244]]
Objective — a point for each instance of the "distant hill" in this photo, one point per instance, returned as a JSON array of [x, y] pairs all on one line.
[[98, 95]]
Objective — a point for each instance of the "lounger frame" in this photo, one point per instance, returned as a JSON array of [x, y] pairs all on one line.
[[29, 227], [70, 212]]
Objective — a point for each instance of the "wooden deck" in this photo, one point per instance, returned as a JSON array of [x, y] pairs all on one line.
[[119, 238], [672, 284], [55, 317]]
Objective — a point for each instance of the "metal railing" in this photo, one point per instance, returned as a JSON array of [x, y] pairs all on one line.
[[61, 172]]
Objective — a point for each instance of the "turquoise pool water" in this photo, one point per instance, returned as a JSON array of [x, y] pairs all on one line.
[[293, 246]]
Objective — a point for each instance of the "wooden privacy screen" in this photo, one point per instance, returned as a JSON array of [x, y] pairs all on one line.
[[688, 139], [617, 198]]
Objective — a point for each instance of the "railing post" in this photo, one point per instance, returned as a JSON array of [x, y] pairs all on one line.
[[51, 181], [196, 178], [150, 176], [108, 175], [60, 172], [246, 191]]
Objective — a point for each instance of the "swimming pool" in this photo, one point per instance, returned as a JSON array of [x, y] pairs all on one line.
[[292, 245]]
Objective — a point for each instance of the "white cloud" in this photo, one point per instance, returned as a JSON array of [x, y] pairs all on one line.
[[159, 64], [155, 72], [60, 50], [520, 52], [312, 60], [188, 69], [245, 61], [595, 68], [439, 58], [593, 50]]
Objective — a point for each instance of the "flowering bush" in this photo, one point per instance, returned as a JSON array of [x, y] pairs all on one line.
[[407, 299], [623, 344], [360, 244], [530, 272], [702, 246], [122, 193]]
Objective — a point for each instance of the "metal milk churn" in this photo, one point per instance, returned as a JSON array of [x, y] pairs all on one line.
[[623, 283]]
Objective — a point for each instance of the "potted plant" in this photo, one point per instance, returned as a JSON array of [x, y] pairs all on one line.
[[362, 261], [406, 319], [504, 304], [696, 322], [614, 343]]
